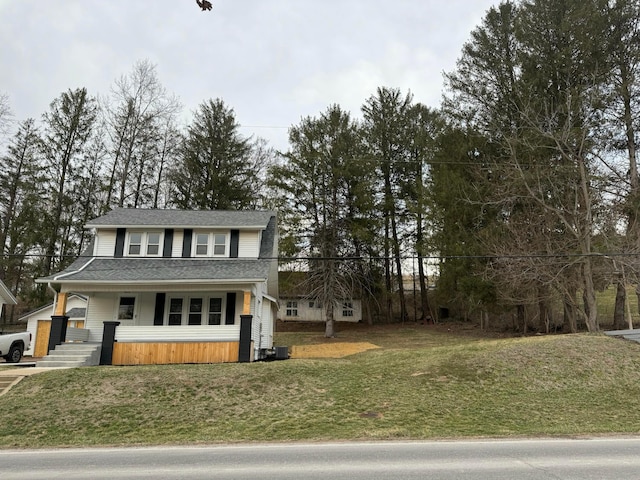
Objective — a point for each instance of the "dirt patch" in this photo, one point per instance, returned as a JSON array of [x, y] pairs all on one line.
[[330, 350]]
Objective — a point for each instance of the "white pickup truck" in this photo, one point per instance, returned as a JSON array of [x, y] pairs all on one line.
[[13, 345]]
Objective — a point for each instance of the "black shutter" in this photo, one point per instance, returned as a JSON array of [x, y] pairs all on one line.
[[120, 234], [158, 316], [230, 314], [168, 243], [233, 247], [186, 243]]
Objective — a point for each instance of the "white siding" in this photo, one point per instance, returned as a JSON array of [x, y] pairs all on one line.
[[267, 324], [167, 333], [100, 308], [103, 308], [249, 244], [178, 239], [146, 308], [105, 243]]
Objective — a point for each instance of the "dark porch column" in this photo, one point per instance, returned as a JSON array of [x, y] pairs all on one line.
[[58, 332], [244, 351], [108, 339]]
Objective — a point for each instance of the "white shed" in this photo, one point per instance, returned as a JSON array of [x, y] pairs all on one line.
[[39, 323]]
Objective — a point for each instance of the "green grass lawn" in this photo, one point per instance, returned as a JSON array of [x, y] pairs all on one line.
[[421, 384]]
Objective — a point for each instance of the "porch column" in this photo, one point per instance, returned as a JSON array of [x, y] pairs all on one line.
[[244, 349], [58, 332], [108, 339], [61, 303], [246, 304]]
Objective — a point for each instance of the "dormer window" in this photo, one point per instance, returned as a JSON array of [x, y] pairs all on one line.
[[135, 243], [153, 243], [219, 244], [202, 244], [144, 244], [210, 244]]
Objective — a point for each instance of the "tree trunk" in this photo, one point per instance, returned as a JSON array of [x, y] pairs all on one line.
[[619, 307], [589, 296], [329, 324], [570, 318], [521, 318]]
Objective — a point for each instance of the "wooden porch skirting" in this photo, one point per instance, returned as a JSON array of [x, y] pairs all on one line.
[[165, 353]]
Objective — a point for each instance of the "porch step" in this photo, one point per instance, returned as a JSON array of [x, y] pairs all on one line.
[[72, 355]]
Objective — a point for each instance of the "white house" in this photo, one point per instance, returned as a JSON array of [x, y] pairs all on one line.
[[301, 309], [297, 305], [178, 283], [39, 322], [6, 297]]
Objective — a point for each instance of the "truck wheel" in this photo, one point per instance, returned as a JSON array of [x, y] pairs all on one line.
[[15, 354]]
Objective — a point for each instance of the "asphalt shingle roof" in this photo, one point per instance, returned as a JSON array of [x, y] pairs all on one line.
[[139, 269], [77, 313], [138, 217], [127, 270]]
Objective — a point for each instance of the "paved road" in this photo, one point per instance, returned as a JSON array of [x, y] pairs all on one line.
[[479, 460]]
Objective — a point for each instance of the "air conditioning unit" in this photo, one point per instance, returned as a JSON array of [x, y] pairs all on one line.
[[282, 353]]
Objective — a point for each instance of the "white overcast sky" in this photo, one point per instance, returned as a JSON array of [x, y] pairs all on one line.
[[272, 61]]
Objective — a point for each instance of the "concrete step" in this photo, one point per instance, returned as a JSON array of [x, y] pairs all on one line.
[[63, 357], [51, 363], [77, 347], [72, 355]]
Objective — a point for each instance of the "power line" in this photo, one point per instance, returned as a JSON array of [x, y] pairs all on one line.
[[602, 255]]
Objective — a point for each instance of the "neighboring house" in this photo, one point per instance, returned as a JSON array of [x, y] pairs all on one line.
[[39, 322], [175, 286], [297, 305], [6, 297]]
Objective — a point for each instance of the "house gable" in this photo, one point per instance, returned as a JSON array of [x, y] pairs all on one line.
[[132, 233]]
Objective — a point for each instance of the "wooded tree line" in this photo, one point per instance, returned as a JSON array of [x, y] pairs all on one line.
[[127, 148], [523, 183]]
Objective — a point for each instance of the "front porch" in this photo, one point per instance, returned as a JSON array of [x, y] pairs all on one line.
[[163, 345], [159, 344]]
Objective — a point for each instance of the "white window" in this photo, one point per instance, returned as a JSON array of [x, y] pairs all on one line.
[[135, 243], [347, 309], [202, 244], [175, 311], [292, 309], [144, 243], [215, 311], [153, 244], [195, 311], [315, 304], [210, 244], [219, 244], [126, 308]]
